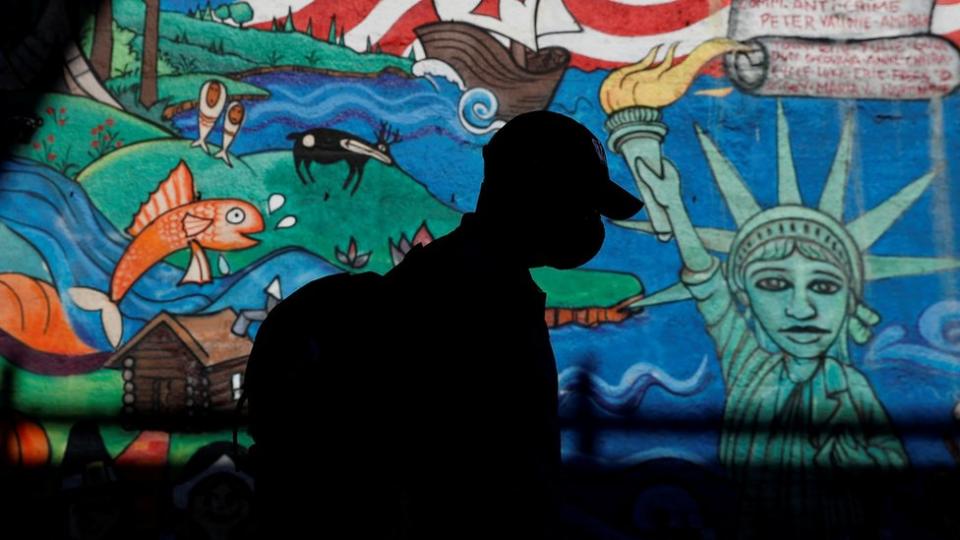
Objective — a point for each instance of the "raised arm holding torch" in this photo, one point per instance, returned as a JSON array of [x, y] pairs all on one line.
[[633, 97]]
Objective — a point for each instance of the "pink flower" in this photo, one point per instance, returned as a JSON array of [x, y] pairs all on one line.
[[63, 110], [51, 157], [110, 122], [118, 144], [106, 137], [95, 144], [61, 122], [50, 137], [50, 111], [93, 131], [423, 236], [36, 146]]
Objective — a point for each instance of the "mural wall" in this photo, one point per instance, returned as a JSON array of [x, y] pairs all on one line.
[[786, 308]]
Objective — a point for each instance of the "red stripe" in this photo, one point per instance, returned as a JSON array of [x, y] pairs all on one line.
[[954, 37], [623, 20], [401, 35]]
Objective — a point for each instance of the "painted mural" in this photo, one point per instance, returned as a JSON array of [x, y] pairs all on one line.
[[784, 311]]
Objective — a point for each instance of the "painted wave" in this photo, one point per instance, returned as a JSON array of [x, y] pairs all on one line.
[[937, 352], [624, 397], [425, 110]]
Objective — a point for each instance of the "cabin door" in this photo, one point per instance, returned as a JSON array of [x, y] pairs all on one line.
[[168, 396]]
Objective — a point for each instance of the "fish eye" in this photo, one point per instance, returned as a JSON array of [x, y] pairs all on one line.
[[823, 286], [382, 147], [772, 284], [236, 215]]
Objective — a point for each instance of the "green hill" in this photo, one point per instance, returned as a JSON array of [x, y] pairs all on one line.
[[77, 130], [220, 48]]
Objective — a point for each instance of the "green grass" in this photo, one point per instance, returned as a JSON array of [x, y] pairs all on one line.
[[388, 203], [192, 57], [93, 394], [57, 402], [64, 142], [216, 46]]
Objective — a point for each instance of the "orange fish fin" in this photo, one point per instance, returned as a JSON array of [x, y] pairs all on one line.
[[199, 269], [174, 191], [193, 225]]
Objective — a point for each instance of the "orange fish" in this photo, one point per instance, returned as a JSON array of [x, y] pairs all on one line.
[[173, 219]]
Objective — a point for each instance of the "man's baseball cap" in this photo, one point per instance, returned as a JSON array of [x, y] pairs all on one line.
[[555, 155]]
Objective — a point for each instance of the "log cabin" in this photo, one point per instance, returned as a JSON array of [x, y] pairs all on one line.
[[182, 370]]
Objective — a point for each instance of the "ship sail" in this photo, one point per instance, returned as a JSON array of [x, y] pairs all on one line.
[[519, 20], [553, 18]]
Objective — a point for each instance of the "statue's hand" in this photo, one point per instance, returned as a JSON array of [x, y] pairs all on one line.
[[664, 186]]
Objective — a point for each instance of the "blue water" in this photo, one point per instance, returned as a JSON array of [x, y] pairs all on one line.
[[424, 111], [81, 247]]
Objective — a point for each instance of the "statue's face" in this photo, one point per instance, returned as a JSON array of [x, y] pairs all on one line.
[[800, 303]]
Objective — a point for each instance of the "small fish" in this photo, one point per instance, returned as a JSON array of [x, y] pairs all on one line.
[[173, 219], [231, 126], [213, 95]]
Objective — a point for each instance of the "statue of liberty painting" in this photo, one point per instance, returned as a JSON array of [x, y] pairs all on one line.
[[801, 423]]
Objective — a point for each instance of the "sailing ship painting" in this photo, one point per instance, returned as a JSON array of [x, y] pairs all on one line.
[[493, 44]]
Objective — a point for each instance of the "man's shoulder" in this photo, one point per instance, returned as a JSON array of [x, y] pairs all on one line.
[[417, 263], [336, 289]]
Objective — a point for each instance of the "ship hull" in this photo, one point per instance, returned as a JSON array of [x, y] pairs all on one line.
[[482, 61]]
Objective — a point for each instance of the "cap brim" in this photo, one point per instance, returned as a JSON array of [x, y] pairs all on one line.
[[615, 202]]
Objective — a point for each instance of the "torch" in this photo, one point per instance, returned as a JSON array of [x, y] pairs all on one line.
[[633, 97]]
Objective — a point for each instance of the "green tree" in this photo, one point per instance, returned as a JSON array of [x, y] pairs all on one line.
[[275, 26], [332, 33], [309, 29], [223, 12], [241, 12], [288, 26]]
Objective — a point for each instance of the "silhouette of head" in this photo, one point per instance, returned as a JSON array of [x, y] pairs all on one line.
[[545, 187]]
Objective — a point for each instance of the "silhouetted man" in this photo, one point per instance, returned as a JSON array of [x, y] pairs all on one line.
[[484, 442], [448, 428]]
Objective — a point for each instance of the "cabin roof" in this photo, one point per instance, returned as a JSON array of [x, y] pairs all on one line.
[[207, 336]]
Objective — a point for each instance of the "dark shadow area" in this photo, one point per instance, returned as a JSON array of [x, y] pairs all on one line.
[[36, 38]]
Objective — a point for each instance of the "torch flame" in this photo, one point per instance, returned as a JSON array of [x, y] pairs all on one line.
[[647, 85]]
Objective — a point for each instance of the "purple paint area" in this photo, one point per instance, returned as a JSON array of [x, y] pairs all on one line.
[[43, 363]]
